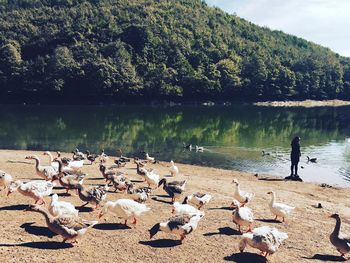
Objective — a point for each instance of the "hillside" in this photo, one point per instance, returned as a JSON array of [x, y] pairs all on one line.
[[110, 50]]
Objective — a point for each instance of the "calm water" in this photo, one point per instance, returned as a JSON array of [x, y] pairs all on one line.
[[233, 137]]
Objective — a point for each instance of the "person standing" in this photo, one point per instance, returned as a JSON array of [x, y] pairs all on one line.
[[295, 157]]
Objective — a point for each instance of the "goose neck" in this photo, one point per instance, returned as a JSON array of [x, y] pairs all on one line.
[[337, 227]]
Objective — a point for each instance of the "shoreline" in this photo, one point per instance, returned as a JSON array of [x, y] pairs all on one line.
[[216, 234], [202, 103], [304, 103]]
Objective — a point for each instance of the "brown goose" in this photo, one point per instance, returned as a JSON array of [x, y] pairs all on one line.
[[91, 157], [69, 227], [46, 172], [69, 180]]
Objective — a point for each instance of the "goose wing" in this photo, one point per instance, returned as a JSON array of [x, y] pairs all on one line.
[[178, 221]]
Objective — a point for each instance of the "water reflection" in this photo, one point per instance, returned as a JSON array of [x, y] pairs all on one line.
[[234, 136]]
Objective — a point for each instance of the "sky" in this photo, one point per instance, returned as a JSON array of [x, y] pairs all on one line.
[[325, 22]]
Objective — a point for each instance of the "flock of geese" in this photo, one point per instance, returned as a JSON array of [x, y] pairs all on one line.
[[63, 218]]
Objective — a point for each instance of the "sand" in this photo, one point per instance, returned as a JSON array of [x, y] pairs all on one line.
[[25, 237]]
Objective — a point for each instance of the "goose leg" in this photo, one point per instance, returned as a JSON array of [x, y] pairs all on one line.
[[275, 217], [249, 228], [135, 221], [182, 237], [126, 222]]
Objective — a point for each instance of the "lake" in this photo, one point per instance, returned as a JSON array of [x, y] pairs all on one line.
[[234, 137]]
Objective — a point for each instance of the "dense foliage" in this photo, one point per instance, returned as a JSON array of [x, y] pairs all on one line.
[[156, 49]]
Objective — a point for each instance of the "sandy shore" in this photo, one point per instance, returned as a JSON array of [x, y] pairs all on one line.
[[25, 237], [304, 103]]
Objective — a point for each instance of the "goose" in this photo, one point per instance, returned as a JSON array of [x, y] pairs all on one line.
[[103, 157], [93, 195], [181, 225], [78, 155], [121, 157], [187, 146], [140, 194], [52, 162], [140, 170], [197, 199], [5, 179], [265, 153], [91, 157], [33, 189], [239, 195], [242, 216], [313, 160], [117, 164], [69, 227], [173, 189], [199, 148], [266, 239], [45, 172], [120, 182], [152, 178], [59, 208], [185, 209], [125, 208], [150, 159], [339, 240], [64, 160], [69, 180], [174, 170], [118, 179], [279, 209]]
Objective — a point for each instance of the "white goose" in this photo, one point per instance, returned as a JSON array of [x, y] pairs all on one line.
[[5, 179], [179, 225], [174, 170], [185, 209], [152, 178], [264, 238], [242, 216], [33, 189], [124, 208], [239, 195], [339, 240], [46, 172], [60, 208], [149, 158], [53, 163], [279, 209], [197, 199]]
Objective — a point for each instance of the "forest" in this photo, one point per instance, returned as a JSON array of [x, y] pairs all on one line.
[[96, 51]]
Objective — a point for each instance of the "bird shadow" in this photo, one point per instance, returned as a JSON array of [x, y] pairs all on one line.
[[331, 258], [220, 208], [164, 196], [37, 230], [246, 257], [14, 207], [161, 201], [84, 209], [93, 179], [136, 181], [269, 221], [228, 231], [111, 226], [58, 187], [161, 243], [64, 194], [41, 245]]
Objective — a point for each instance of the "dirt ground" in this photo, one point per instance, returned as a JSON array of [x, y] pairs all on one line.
[[25, 237]]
